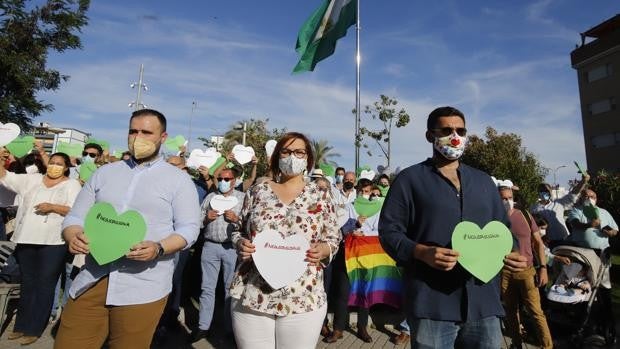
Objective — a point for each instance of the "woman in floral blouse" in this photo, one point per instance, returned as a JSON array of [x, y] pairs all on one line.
[[291, 316]]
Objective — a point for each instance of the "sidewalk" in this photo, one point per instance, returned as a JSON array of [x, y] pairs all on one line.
[[177, 338]]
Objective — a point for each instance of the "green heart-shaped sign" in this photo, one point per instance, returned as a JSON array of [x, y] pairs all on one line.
[[71, 149], [174, 143], [110, 236], [367, 208], [217, 164], [328, 170], [21, 146], [590, 211], [86, 170], [105, 145], [482, 252]]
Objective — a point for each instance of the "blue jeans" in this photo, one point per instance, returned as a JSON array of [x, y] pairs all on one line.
[[65, 290], [216, 255], [480, 334], [40, 267]]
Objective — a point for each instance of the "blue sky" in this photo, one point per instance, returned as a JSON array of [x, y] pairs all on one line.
[[504, 64]]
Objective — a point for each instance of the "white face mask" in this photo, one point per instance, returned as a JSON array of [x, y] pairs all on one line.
[[32, 169], [292, 165], [508, 204], [543, 232], [366, 196]]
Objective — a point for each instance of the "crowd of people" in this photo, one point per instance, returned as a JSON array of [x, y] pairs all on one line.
[[129, 301]]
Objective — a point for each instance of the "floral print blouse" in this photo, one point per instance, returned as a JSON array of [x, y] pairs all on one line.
[[310, 214]]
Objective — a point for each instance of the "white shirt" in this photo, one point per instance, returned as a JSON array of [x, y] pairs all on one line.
[[553, 213], [37, 229]]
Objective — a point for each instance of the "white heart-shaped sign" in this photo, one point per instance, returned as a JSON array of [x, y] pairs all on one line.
[[243, 154], [270, 146], [222, 203], [280, 261], [206, 158], [8, 132], [368, 174]]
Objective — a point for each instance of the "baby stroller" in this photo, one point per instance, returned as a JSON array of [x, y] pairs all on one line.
[[581, 294]]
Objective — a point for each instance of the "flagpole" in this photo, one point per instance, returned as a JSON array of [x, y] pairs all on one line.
[[357, 86]]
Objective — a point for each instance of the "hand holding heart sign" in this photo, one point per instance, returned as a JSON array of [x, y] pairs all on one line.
[[111, 235], [273, 252], [482, 252]]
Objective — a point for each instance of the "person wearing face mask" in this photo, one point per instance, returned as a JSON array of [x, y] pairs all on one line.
[[384, 184], [355, 225], [41, 250], [339, 177], [593, 231], [218, 251], [588, 231], [553, 209], [123, 300], [289, 317], [92, 153], [445, 303], [520, 289]]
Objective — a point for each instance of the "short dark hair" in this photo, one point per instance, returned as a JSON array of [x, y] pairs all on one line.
[[286, 139], [383, 175], [340, 169], [363, 183], [94, 146], [431, 122], [66, 159], [150, 112]]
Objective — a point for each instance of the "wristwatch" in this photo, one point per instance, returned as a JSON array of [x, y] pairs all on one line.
[[160, 249]]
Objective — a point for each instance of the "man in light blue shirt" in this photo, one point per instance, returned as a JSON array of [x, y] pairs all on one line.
[[123, 300], [591, 232]]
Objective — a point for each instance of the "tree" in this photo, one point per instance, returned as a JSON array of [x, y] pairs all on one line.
[[323, 153], [257, 134], [607, 188], [384, 111], [26, 38], [502, 156]]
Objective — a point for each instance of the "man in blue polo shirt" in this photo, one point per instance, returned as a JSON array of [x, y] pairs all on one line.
[[447, 306]]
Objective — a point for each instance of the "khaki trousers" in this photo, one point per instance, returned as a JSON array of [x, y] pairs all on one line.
[[87, 321], [519, 288]]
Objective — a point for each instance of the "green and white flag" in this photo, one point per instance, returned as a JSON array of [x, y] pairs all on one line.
[[317, 37]]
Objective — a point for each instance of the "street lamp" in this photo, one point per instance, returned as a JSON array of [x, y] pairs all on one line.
[[140, 85], [242, 126], [555, 182]]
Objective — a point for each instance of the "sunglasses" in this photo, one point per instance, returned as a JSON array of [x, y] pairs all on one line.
[[92, 155], [447, 131], [219, 179]]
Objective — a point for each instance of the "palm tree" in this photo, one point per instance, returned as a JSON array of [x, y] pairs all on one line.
[[323, 153]]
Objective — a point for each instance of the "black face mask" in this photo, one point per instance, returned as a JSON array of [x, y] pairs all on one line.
[[348, 185]]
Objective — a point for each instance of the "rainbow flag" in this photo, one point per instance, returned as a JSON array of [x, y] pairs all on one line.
[[373, 275]]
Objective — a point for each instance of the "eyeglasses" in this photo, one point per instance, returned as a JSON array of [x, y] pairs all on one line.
[[219, 179], [447, 131], [299, 153], [92, 155]]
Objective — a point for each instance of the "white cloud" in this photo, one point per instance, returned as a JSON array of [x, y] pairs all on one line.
[[235, 74]]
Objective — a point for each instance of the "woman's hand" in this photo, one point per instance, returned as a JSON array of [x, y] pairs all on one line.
[[44, 208], [316, 253], [245, 248]]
